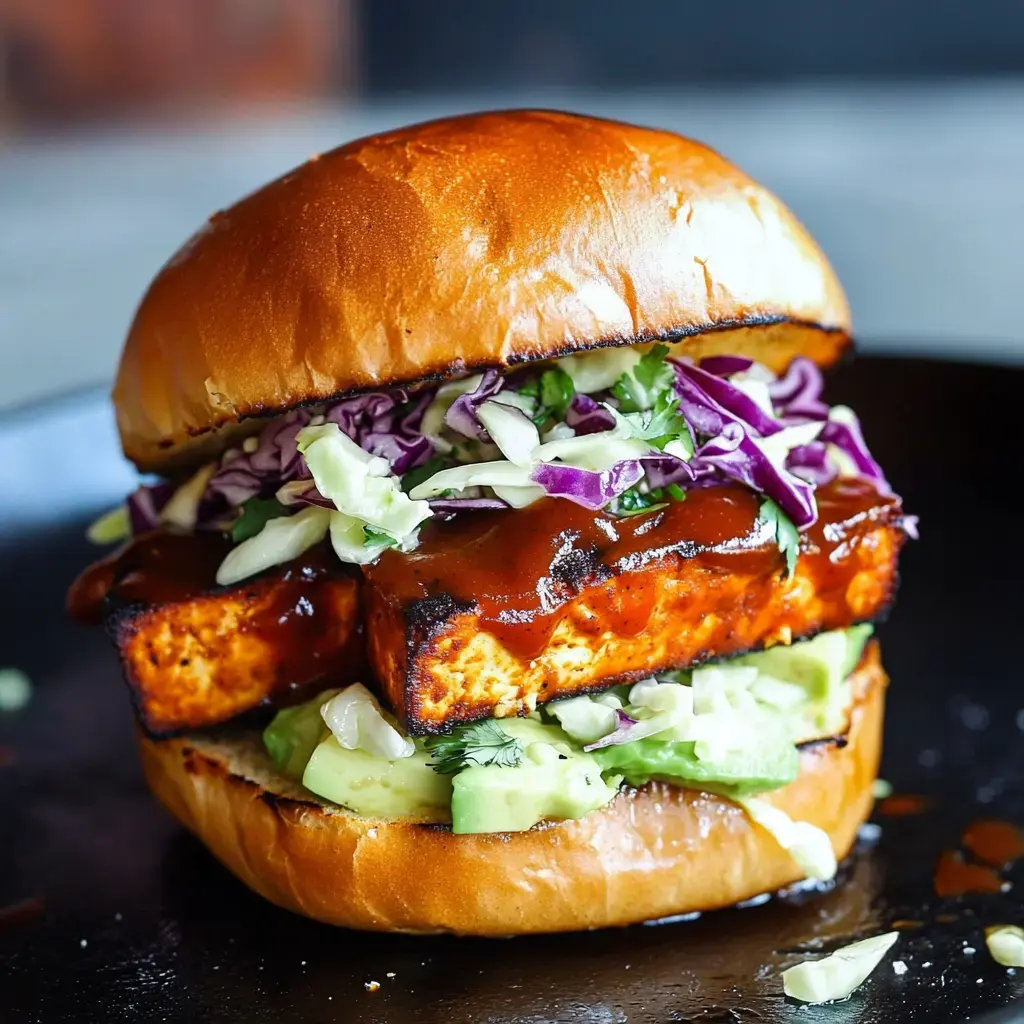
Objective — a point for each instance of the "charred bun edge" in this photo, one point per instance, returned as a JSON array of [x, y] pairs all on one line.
[[189, 453]]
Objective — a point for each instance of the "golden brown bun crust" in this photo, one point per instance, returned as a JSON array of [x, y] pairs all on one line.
[[651, 853], [485, 240]]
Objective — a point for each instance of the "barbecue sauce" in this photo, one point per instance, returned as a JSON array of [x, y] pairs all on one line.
[[518, 566], [954, 876], [999, 843], [162, 567]]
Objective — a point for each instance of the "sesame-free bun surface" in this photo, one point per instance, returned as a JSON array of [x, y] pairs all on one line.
[[651, 853], [478, 241]]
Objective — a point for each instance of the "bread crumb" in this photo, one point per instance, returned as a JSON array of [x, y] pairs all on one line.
[[390, 974], [899, 967], [371, 986]]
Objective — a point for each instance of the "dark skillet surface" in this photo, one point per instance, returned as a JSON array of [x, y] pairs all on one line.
[[137, 923]]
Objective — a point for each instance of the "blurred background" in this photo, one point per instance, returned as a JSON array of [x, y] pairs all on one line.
[[894, 128]]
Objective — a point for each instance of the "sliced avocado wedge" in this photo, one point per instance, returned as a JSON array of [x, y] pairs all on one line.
[[555, 780], [376, 787], [745, 772], [293, 734], [819, 665], [857, 638]]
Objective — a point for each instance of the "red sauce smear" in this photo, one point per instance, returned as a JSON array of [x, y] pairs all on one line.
[[153, 568], [902, 806], [954, 876], [998, 843], [517, 567], [162, 567]]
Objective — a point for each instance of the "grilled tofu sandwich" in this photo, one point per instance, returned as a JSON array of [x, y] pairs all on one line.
[[507, 570]]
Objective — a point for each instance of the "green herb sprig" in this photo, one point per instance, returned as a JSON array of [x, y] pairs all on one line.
[[417, 476], [662, 423], [256, 513], [651, 377], [553, 392], [787, 536], [373, 537], [479, 744]]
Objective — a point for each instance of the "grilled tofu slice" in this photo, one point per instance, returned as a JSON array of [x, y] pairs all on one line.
[[495, 614], [195, 655]]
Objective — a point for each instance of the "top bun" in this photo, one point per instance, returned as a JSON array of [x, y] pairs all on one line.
[[478, 241]]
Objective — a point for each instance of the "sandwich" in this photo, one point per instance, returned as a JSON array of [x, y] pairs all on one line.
[[501, 567]]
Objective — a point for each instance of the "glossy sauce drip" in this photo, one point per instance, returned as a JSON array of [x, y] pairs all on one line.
[[306, 612], [161, 567], [153, 568], [998, 843], [318, 634], [954, 876], [518, 566]]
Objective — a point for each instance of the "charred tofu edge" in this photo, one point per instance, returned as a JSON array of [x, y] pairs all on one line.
[[426, 621]]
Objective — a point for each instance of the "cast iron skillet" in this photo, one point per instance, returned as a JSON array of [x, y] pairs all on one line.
[[114, 914]]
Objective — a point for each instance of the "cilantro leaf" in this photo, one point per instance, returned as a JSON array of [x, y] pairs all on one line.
[[662, 423], [556, 392], [416, 476], [553, 392], [634, 502], [646, 382], [478, 744], [787, 536], [378, 537], [256, 513], [652, 371]]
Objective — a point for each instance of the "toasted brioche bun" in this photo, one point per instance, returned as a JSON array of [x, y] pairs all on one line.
[[651, 853], [479, 241]]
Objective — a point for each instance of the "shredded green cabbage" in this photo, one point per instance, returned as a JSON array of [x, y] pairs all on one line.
[[111, 527], [280, 541], [360, 484], [839, 975]]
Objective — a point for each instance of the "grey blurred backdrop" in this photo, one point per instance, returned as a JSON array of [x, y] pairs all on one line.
[[894, 128]]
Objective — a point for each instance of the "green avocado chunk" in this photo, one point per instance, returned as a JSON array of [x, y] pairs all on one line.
[[819, 665], [743, 772], [857, 638], [293, 734], [555, 780], [376, 787]]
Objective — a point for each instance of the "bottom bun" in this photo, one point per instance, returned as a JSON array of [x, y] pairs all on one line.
[[653, 852]]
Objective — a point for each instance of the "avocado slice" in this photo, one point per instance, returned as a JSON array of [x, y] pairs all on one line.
[[819, 665], [293, 734], [554, 780], [376, 787], [743, 772]]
